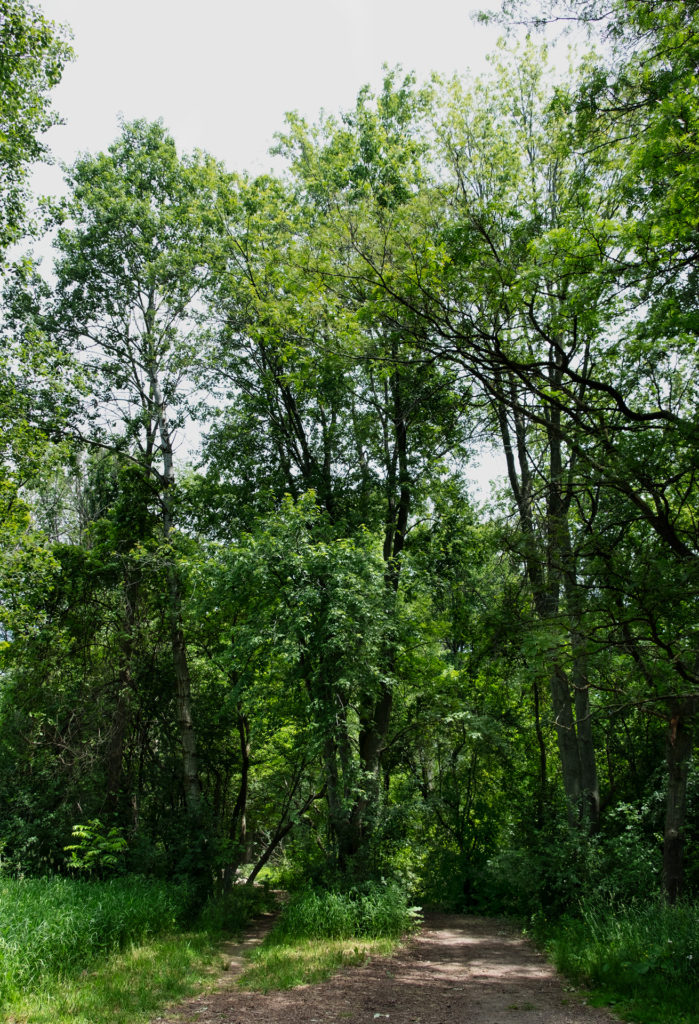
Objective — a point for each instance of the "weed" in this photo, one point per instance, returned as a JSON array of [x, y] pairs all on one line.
[[369, 911]]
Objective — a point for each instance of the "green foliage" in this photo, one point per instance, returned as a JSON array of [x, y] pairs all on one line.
[[34, 52], [97, 849], [366, 674], [50, 978], [563, 866], [132, 986], [228, 914], [321, 930], [373, 910], [643, 957], [55, 926]]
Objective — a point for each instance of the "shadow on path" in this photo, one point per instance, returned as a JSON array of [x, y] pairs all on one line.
[[457, 970]]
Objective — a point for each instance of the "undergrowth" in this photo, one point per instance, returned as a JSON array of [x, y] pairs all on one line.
[[130, 987], [643, 958], [55, 926], [85, 951], [372, 910]]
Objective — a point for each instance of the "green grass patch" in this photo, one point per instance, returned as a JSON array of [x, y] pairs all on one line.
[[130, 987], [307, 961], [320, 931], [643, 960], [371, 911], [86, 952], [53, 927]]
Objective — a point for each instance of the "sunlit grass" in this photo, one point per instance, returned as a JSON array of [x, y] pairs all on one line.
[[323, 930], [112, 952], [308, 961], [55, 927], [129, 988]]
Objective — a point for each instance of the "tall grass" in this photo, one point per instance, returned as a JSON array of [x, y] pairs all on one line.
[[52, 927], [370, 911], [130, 987], [645, 956], [321, 930]]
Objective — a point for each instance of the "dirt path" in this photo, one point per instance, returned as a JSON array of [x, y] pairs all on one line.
[[457, 970]]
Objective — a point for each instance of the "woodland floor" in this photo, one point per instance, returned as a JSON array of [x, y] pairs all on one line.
[[456, 970]]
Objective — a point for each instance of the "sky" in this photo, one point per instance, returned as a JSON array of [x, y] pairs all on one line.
[[222, 73]]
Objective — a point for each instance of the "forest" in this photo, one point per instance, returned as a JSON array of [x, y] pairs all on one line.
[[255, 621]]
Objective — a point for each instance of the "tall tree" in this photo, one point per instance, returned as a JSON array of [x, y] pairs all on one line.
[[323, 384], [135, 254], [34, 52]]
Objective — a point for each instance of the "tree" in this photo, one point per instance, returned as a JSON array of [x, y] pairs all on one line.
[[636, 115], [34, 53], [322, 383], [135, 254]]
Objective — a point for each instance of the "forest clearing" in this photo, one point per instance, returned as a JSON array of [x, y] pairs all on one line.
[[258, 629]]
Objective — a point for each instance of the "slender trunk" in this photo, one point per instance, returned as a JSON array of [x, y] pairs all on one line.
[[679, 752], [586, 748], [238, 831], [542, 758], [375, 717], [567, 741], [185, 718], [122, 710], [589, 779], [548, 560], [280, 833]]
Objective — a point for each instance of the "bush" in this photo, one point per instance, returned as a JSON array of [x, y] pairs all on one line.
[[229, 914], [566, 866]]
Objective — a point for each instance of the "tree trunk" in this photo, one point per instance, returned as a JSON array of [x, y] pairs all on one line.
[[122, 710], [238, 832], [185, 718], [679, 752]]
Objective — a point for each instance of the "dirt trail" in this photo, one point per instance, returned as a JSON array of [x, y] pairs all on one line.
[[457, 970]]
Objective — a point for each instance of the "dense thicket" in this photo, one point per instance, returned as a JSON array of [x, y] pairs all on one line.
[[311, 646]]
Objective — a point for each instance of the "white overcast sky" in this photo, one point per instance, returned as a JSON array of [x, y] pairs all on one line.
[[222, 74]]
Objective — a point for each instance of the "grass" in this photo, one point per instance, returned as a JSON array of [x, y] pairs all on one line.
[[78, 952], [642, 960], [308, 961], [371, 910], [321, 931], [53, 927], [130, 987]]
